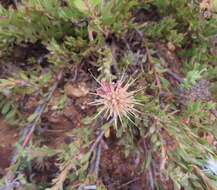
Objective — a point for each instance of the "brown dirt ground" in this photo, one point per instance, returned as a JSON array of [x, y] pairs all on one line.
[[8, 138]]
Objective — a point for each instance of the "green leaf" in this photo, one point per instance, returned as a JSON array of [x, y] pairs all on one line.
[[6, 108], [87, 120], [95, 2], [85, 158], [80, 5], [10, 115]]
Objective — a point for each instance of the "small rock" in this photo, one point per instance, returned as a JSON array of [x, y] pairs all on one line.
[[171, 46], [79, 90]]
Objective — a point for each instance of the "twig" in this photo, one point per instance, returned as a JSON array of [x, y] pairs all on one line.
[[94, 169], [98, 156], [99, 137], [129, 182], [157, 79], [151, 174], [175, 76]]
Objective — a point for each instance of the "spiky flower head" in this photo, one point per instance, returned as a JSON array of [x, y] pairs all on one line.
[[116, 101]]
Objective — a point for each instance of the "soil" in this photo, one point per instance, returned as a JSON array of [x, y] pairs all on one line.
[[8, 138]]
